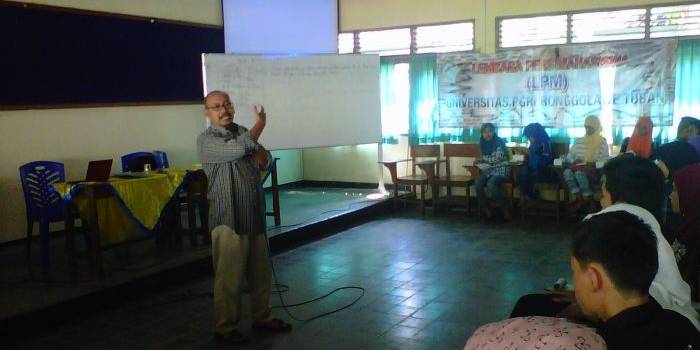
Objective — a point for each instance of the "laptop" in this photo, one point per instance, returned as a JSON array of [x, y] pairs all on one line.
[[98, 171]]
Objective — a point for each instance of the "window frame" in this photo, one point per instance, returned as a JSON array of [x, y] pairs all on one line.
[[569, 33], [412, 30]]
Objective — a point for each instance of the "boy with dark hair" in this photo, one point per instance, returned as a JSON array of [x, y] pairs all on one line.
[[634, 185], [633, 179], [614, 261]]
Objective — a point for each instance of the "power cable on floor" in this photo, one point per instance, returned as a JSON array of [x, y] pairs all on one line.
[[286, 307]]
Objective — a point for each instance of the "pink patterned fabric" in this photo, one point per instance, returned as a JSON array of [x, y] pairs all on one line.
[[541, 333]]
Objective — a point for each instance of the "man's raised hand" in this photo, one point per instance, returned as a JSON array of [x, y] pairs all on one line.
[[260, 115]]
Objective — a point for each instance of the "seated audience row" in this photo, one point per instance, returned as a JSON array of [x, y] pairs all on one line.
[[580, 170], [628, 286], [614, 262]]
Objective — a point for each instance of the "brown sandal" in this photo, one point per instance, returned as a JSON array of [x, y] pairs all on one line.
[[274, 325]]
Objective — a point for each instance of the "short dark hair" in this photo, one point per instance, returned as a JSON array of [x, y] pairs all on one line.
[[623, 244], [687, 122], [635, 180]]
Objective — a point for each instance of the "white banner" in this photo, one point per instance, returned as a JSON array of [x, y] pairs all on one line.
[[559, 86]]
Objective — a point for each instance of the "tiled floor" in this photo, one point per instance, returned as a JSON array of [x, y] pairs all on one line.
[[428, 284], [22, 287]]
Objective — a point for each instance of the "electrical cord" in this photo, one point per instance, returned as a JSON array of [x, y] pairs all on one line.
[[31, 282], [280, 289], [286, 307]]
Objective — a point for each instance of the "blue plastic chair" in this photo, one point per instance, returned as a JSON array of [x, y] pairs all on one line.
[[42, 203], [161, 160], [135, 161]]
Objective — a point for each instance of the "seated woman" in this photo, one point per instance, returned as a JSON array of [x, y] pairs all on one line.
[[685, 200], [494, 170], [582, 157], [539, 158], [640, 141]]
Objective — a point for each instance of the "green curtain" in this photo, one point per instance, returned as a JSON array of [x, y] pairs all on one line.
[[387, 100], [423, 121]]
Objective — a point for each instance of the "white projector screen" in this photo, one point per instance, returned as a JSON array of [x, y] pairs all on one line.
[[280, 26], [312, 101]]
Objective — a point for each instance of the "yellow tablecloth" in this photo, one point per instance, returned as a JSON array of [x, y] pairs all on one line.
[[137, 199]]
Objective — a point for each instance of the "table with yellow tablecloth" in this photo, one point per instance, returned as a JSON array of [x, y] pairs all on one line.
[[134, 202]]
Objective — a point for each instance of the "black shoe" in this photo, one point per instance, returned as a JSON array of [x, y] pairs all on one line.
[[232, 337]]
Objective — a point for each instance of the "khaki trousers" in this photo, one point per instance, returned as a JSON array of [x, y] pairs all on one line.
[[236, 257]]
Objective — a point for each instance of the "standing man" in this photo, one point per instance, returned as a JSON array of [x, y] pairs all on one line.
[[237, 214]]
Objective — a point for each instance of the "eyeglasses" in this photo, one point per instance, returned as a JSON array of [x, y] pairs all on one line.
[[224, 105]]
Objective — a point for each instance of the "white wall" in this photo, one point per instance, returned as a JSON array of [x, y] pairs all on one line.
[[74, 136]]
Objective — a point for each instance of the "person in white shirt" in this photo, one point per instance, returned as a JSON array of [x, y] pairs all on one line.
[[634, 185], [631, 183]]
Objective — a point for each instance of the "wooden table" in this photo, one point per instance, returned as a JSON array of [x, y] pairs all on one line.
[[84, 197]]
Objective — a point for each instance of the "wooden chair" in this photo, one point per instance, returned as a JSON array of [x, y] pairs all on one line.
[[507, 186], [450, 180], [429, 168]]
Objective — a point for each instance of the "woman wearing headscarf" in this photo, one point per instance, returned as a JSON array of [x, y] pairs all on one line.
[[686, 200], [538, 161], [640, 141], [582, 157], [494, 170]]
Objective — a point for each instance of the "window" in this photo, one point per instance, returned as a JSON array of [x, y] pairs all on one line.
[[674, 21], [386, 42], [449, 37], [346, 43], [445, 38], [542, 30], [395, 94], [596, 26], [604, 26], [394, 82]]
